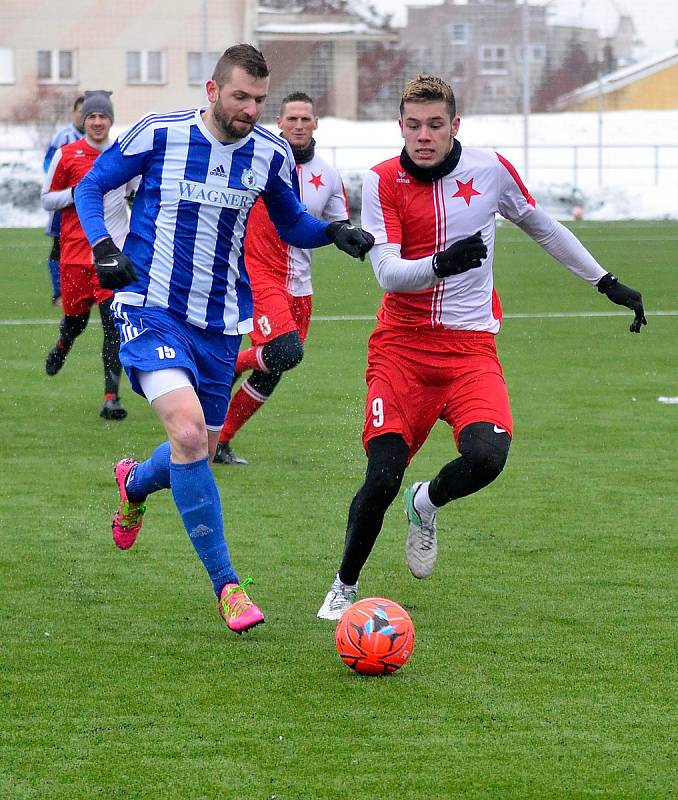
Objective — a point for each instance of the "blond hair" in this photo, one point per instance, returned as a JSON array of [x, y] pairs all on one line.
[[428, 89]]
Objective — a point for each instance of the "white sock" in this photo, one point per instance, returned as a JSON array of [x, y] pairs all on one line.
[[338, 583], [422, 502]]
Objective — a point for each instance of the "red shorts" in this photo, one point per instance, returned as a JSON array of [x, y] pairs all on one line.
[[276, 311], [415, 379], [80, 289]]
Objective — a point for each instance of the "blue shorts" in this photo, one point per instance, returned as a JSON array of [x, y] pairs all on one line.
[[152, 339]]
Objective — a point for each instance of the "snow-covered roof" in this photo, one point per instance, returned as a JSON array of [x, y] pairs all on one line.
[[315, 27], [621, 77]]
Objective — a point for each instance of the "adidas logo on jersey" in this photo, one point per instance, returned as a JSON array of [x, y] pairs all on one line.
[[219, 171], [403, 177]]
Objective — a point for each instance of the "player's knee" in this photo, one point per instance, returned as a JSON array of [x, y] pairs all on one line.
[[188, 441], [382, 486], [186, 432], [485, 450], [283, 353], [386, 463], [73, 325], [264, 382]]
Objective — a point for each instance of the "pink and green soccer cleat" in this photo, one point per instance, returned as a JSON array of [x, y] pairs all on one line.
[[129, 516], [238, 611]]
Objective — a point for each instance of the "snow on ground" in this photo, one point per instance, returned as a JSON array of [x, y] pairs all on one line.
[[636, 179]]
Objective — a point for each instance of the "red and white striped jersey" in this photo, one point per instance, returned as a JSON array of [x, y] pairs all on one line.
[[267, 257], [68, 167], [425, 218]]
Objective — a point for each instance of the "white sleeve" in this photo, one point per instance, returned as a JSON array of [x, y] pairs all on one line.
[[55, 201], [562, 244], [336, 208], [396, 274], [62, 198]]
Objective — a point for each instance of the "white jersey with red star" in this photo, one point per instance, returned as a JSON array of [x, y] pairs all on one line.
[[426, 217], [267, 257]]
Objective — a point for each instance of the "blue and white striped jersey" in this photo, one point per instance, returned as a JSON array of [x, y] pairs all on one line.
[[190, 213]]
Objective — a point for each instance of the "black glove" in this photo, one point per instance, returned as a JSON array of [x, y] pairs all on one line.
[[354, 241], [461, 256], [114, 269], [624, 296]]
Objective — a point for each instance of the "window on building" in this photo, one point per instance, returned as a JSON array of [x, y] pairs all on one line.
[[145, 66], [196, 74], [7, 74], [422, 58], [458, 70], [457, 33], [56, 66], [494, 91], [493, 59], [537, 53]]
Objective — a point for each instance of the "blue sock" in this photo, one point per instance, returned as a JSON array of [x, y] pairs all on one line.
[[197, 498], [151, 475], [53, 266]]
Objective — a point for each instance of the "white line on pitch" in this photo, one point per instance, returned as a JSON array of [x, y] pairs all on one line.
[[366, 317]]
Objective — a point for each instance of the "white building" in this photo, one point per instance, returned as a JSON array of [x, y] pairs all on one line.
[[148, 53]]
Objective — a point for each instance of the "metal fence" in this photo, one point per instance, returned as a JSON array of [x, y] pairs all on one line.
[[582, 165], [585, 166]]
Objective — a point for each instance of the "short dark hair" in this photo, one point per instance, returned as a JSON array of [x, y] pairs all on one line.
[[240, 55], [294, 97], [79, 100], [428, 89]]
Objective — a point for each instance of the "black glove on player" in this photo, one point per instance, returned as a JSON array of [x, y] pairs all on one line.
[[461, 256], [624, 296], [354, 241], [114, 269]]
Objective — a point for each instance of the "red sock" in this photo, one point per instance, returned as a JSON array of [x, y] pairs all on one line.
[[246, 402], [251, 358]]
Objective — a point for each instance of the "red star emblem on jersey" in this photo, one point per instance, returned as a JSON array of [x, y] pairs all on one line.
[[465, 190], [316, 180]]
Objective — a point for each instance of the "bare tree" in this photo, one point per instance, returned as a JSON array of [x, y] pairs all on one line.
[[44, 109], [576, 70]]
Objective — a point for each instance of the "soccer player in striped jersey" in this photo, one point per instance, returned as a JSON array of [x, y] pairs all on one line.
[[183, 298], [71, 133], [281, 275], [433, 355]]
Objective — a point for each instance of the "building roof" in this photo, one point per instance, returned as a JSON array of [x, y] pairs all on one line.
[[342, 22], [320, 28], [620, 78]]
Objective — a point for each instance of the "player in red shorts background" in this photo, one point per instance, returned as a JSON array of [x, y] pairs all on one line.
[[432, 355], [281, 275], [80, 288]]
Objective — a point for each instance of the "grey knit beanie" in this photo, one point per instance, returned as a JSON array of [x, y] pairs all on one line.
[[97, 102]]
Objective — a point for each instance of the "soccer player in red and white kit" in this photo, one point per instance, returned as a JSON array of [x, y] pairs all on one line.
[[433, 355], [281, 275], [80, 288]]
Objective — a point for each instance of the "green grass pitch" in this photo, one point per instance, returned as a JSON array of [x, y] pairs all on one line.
[[545, 657]]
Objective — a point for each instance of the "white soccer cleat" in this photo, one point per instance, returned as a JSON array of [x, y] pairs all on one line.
[[338, 599], [421, 549]]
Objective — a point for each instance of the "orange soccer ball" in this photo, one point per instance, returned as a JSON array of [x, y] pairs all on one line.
[[375, 636]]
